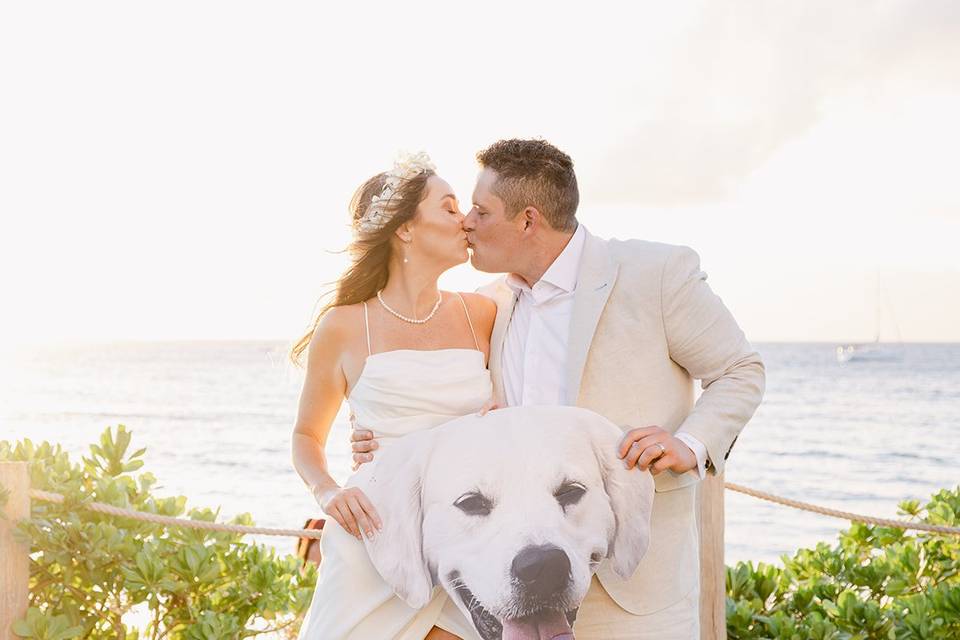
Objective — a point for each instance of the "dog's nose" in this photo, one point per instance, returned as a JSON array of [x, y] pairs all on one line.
[[543, 570]]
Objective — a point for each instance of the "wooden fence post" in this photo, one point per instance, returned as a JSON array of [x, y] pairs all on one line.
[[14, 557], [713, 579]]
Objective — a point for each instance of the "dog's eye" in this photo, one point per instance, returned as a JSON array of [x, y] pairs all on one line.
[[569, 493], [474, 504]]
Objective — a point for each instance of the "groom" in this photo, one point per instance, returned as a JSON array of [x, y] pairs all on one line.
[[621, 327]]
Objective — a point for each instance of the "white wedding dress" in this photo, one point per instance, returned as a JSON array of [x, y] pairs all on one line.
[[398, 392]]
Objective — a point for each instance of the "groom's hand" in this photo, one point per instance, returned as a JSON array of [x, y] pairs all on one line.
[[641, 448], [363, 445]]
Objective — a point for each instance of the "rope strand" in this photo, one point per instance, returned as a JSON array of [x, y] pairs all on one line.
[[182, 522], [313, 533], [845, 515]]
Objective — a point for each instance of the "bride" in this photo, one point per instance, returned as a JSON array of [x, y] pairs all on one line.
[[406, 356]]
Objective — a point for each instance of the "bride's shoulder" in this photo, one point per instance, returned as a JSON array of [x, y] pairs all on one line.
[[482, 308], [344, 314], [339, 323]]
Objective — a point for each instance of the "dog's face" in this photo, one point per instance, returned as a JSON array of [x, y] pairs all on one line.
[[516, 511]]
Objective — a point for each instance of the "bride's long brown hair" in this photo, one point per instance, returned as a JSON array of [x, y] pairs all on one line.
[[369, 252]]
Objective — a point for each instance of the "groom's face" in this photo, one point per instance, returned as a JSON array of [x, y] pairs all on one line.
[[495, 239]]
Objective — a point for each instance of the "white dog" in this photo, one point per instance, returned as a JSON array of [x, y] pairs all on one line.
[[511, 513]]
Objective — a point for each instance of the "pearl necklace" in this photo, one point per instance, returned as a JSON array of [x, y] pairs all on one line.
[[405, 318]]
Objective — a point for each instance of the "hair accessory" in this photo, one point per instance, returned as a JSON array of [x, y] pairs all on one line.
[[406, 167]]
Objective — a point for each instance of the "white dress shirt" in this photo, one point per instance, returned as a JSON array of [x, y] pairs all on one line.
[[535, 347]]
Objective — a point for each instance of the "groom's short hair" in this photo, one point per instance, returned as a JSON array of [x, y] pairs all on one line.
[[534, 173]]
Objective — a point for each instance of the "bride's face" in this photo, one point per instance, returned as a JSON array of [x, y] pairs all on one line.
[[437, 234]]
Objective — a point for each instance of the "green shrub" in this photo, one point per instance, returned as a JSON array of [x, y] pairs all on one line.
[[88, 571], [876, 582]]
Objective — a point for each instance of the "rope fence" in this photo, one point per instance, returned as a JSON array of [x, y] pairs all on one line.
[[844, 515], [313, 533], [15, 559], [101, 507]]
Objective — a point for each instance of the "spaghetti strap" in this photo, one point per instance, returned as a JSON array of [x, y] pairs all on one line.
[[469, 321], [366, 323]]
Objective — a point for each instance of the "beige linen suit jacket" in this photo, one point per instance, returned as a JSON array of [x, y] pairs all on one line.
[[645, 324]]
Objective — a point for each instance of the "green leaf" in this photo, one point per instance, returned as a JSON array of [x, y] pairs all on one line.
[[45, 626]]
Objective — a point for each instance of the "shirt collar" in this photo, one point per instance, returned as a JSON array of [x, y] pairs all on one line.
[[562, 274]]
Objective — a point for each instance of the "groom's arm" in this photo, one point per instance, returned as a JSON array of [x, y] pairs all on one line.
[[703, 338]]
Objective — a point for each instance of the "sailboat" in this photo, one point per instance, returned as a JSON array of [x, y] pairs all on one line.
[[875, 351]]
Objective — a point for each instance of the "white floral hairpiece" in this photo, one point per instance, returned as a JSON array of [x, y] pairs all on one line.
[[406, 167]]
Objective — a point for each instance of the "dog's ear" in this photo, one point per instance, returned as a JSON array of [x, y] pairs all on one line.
[[394, 488], [631, 499]]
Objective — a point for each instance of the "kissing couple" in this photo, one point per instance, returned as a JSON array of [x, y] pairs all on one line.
[[488, 500]]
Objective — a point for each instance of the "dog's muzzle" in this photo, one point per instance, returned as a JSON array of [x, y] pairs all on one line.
[[543, 573], [541, 579]]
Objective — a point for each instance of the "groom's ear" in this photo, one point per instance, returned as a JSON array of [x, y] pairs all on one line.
[[631, 494], [394, 486], [531, 217]]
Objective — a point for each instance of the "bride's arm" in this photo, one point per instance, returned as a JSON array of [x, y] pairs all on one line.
[[323, 390]]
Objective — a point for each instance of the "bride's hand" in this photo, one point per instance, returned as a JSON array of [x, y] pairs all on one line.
[[351, 508], [363, 445], [491, 405]]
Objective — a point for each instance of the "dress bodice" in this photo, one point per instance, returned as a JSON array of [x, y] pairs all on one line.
[[406, 390]]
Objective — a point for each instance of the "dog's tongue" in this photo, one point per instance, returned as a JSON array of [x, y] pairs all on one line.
[[546, 625]]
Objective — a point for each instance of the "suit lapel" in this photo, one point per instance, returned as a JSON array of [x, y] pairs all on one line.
[[594, 284], [505, 298]]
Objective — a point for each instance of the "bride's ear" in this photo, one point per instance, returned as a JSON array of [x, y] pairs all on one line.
[[394, 488], [405, 232]]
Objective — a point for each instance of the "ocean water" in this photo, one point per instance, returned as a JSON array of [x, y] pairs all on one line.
[[216, 418]]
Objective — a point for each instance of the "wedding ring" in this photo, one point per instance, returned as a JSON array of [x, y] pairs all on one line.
[[663, 450]]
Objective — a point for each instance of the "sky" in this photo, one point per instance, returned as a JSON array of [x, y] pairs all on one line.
[[182, 170]]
